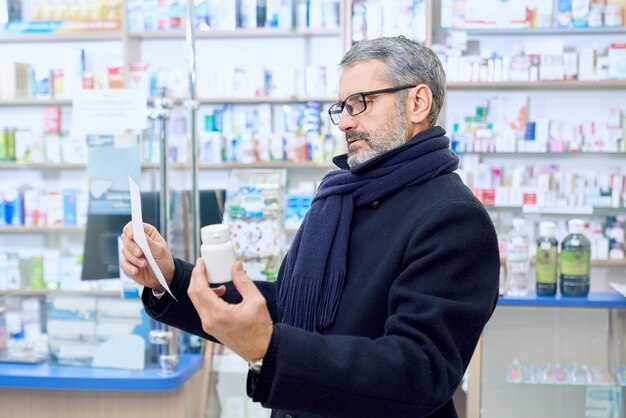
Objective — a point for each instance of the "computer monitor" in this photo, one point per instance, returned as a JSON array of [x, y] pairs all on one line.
[[100, 256]]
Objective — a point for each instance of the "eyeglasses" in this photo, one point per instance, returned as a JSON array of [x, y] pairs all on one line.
[[355, 104]]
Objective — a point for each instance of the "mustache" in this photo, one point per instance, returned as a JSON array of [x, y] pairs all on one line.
[[358, 134]]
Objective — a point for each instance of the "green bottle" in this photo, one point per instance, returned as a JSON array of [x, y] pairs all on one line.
[[575, 260], [547, 260], [36, 272], [9, 145], [3, 141]]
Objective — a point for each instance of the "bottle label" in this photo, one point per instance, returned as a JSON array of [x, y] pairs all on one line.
[[575, 263], [546, 265], [546, 246], [517, 251]]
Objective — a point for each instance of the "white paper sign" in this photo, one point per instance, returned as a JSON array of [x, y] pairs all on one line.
[[108, 111], [140, 237]]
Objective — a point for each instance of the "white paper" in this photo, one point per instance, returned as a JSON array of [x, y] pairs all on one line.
[[108, 111], [139, 236], [619, 287]]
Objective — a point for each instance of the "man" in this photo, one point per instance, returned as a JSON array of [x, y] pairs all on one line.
[[390, 279]]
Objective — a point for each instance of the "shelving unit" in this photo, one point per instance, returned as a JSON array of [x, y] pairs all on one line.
[[542, 329], [133, 43]]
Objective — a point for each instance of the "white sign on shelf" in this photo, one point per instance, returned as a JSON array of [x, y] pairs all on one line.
[[109, 111]]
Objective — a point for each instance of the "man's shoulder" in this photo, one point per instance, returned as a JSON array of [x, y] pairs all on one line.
[[438, 190]]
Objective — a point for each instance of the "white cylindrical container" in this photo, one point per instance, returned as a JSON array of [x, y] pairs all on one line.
[[217, 252]]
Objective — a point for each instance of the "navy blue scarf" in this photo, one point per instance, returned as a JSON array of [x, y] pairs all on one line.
[[315, 266]]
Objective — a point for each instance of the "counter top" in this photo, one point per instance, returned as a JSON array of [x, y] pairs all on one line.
[[45, 376], [608, 299]]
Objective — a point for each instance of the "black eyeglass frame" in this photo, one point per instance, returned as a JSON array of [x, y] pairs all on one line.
[[337, 108]]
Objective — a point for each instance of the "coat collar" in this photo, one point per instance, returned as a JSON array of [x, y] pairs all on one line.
[[341, 161]]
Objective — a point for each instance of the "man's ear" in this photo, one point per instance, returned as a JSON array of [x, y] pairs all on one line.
[[419, 104]]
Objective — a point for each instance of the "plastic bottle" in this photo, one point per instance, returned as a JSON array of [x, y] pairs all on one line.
[[217, 252], [575, 260], [547, 260], [517, 260]]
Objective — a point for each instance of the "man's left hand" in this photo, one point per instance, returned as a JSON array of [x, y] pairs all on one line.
[[246, 327]]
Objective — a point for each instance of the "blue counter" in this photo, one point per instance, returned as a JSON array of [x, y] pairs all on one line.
[[44, 376], [608, 299]]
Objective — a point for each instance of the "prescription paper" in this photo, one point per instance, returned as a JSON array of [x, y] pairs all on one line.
[[139, 235]]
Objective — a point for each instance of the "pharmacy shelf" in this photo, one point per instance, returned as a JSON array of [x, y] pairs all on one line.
[[11, 165], [266, 100], [599, 263], [237, 33], [35, 102], [228, 166], [270, 164], [105, 36], [565, 384], [609, 299], [584, 154], [573, 211], [537, 85], [55, 292], [39, 230], [180, 101], [537, 31]]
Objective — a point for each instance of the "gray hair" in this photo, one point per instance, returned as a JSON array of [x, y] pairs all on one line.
[[408, 62]]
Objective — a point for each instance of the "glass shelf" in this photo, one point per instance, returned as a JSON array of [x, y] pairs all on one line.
[[608, 299]]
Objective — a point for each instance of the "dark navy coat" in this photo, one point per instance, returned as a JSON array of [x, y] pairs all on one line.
[[421, 283]]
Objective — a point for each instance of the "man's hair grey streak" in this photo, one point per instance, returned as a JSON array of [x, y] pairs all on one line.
[[407, 62]]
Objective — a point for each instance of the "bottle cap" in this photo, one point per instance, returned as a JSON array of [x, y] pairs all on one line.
[[576, 226], [215, 234], [519, 223], [547, 229]]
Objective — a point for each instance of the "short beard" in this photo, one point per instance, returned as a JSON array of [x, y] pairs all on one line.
[[392, 135]]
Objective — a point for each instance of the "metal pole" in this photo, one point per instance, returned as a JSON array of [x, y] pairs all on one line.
[[164, 337], [192, 105], [164, 203]]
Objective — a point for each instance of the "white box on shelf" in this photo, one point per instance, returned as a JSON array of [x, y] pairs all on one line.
[[587, 63], [617, 62]]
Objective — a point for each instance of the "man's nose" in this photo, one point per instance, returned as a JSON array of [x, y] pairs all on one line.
[[347, 122]]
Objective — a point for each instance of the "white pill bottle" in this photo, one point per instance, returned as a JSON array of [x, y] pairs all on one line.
[[217, 252]]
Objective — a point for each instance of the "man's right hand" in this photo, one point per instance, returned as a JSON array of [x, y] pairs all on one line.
[[134, 262]]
